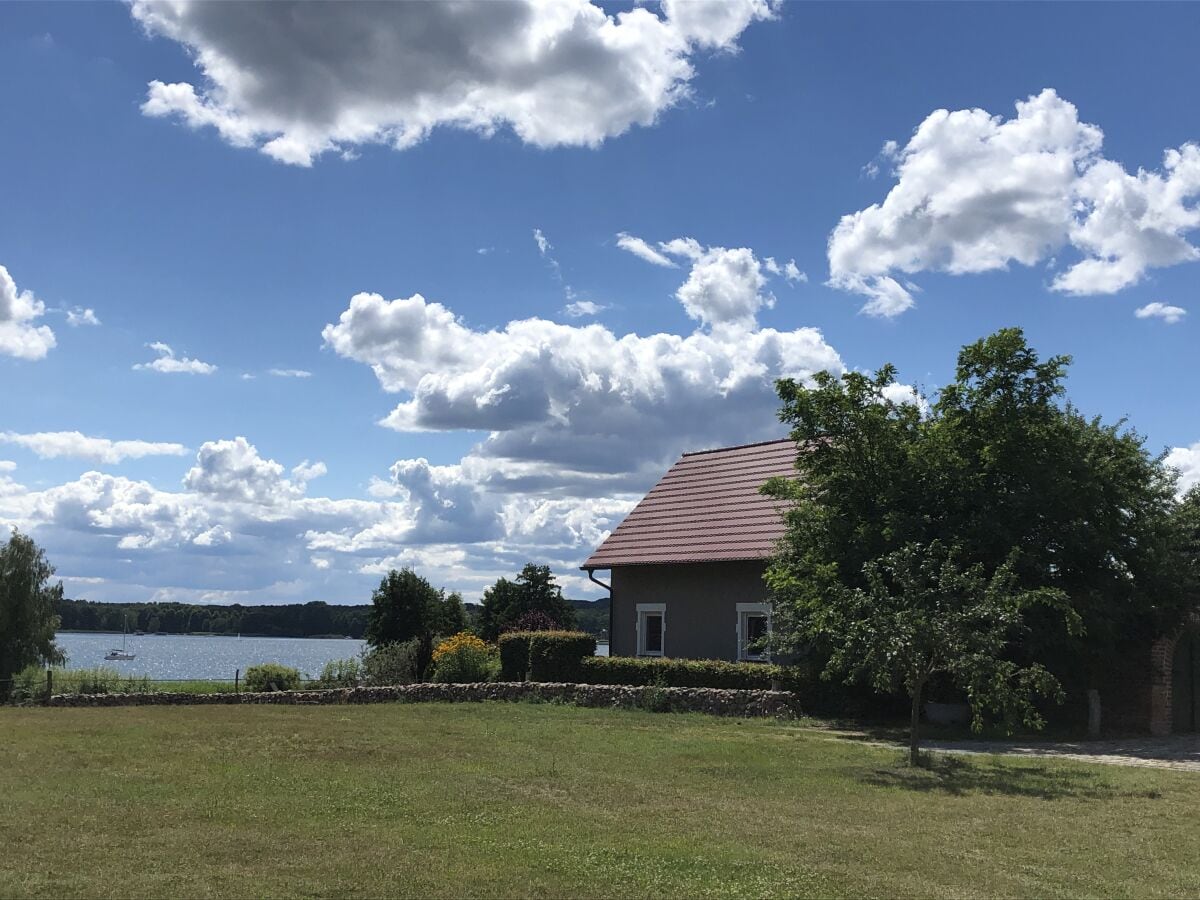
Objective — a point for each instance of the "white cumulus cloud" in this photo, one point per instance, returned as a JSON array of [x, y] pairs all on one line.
[[725, 286], [75, 445], [1156, 310], [577, 309], [80, 316], [19, 337], [300, 79], [975, 193], [577, 405], [1186, 461], [168, 362], [233, 470]]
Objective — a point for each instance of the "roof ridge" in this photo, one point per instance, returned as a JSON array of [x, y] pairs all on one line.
[[785, 440]]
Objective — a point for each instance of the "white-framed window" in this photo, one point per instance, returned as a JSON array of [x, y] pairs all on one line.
[[651, 629], [753, 624]]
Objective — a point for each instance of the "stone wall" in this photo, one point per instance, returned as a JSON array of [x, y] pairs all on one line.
[[713, 701]]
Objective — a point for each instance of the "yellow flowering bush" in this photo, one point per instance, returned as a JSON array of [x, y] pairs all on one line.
[[463, 658]]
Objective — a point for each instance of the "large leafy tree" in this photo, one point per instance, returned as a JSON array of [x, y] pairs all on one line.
[[533, 591], [28, 609], [922, 614], [403, 607], [1005, 470]]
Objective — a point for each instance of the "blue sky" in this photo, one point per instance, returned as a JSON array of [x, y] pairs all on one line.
[[308, 163]]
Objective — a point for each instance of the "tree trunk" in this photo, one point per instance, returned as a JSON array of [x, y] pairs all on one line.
[[914, 728]]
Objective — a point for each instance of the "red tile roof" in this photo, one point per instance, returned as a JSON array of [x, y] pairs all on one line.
[[706, 508]]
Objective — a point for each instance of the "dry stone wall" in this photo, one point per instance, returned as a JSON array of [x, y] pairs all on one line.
[[713, 701]]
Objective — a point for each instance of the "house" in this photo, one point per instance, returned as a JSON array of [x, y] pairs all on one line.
[[686, 579], [686, 565]]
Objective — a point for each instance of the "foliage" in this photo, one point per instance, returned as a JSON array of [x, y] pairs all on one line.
[[533, 590], [450, 615], [394, 663], [544, 655], [711, 673], [514, 655], [341, 673], [999, 463], [463, 658], [533, 620], [403, 607], [28, 604], [315, 619], [592, 616], [30, 682], [922, 614], [272, 677], [556, 655]]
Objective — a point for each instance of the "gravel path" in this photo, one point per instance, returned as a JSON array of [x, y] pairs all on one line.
[[1180, 752]]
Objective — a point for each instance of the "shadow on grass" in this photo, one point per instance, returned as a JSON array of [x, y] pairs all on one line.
[[873, 731], [958, 777]]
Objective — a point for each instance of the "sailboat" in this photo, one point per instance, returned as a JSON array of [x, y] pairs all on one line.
[[115, 654]]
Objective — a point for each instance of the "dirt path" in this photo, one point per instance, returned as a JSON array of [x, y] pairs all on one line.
[[1180, 752]]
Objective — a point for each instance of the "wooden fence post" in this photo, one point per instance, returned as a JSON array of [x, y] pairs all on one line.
[[49, 684], [236, 675]]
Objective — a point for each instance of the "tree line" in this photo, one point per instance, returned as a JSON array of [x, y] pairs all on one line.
[[534, 588], [315, 619]]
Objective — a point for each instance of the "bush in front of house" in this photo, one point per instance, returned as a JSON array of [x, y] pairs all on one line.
[[514, 655], [558, 655], [544, 655], [272, 677], [709, 673], [463, 659]]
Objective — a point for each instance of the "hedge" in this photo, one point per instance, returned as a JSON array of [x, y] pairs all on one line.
[[559, 655], [711, 673], [544, 655], [514, 655]]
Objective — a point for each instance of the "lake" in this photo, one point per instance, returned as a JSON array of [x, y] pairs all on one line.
[[170, 656]]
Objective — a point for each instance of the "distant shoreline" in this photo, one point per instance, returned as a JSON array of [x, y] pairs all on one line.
[[282, 637]]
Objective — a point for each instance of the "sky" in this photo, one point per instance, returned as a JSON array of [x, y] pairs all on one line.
[[292, 294]]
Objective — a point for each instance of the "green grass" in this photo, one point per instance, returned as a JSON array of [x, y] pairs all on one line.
[[544, 800], [30, 684]]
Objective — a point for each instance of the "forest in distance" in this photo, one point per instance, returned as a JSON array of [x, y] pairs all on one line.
[[313, 619]]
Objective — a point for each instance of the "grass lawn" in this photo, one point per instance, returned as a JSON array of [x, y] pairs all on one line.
[[502, 800]]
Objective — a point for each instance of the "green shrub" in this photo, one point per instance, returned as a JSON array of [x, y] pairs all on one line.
[[557, 655], [272, 677], [463, 659], [711, 673], [393, 663], [514, 655], [28, 684], [100, 680], [544, 655], [340, 673]]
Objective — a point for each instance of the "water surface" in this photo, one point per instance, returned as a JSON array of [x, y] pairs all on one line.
[[189, 656]]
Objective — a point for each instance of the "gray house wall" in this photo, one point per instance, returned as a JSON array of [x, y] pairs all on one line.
[[701, 601]]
